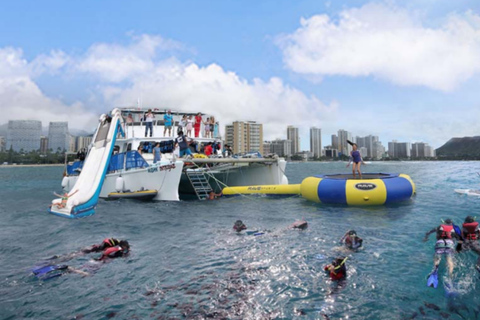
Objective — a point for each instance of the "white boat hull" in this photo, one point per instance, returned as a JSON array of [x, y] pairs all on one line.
[[163, 177]]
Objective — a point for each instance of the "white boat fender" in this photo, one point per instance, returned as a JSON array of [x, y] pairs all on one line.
[[119, 184], [65, 183]]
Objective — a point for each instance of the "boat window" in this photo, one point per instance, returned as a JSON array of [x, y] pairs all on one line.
[[129, 147]]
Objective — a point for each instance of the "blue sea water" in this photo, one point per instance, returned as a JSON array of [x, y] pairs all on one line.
[[187, 263]]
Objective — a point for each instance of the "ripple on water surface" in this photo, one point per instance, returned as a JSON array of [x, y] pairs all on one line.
[[187, 263]]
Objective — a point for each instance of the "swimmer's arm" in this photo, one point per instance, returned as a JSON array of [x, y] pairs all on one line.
[[429, 233], [57, 195], [80, 272]]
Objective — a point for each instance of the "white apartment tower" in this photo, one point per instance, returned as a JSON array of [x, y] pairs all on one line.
[[293, 136], [316, 141]]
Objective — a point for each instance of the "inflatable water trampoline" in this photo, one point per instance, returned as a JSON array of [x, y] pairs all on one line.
[[372, 189]]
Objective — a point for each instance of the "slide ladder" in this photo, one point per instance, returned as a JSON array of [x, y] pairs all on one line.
[[85, 193], [199, 183]]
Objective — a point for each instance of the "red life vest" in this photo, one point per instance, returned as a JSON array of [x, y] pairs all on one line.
[[110, 242], [112, 252], [336, 274], [446, 232], [471, 230]]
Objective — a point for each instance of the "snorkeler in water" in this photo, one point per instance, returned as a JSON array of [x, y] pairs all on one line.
[[351, 240], [444, 246], [337, 270]]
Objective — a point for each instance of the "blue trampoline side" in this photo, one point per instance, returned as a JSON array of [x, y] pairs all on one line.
[[398, 189], [332, 191]]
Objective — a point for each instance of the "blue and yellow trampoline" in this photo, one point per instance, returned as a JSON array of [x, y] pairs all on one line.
[[372, 189]]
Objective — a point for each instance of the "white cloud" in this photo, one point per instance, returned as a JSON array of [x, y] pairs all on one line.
[[22, 99], [389, 43], [213, 90], [116, 63]]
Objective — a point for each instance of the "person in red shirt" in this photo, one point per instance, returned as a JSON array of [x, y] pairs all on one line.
[[208, 150], [198, 123], [337, 269]]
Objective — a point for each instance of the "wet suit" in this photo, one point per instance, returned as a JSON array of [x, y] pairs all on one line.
[[107, 243]]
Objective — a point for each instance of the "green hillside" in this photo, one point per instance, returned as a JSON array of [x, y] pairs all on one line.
[[460, 148]]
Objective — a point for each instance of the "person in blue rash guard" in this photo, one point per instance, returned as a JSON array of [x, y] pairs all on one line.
[[357, 160], [444, 246]]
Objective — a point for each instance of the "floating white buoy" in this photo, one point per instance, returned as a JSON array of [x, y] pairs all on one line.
[[65, 183], [119, 183]]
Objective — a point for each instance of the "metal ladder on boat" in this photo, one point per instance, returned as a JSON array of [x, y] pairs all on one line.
[[200, 184]]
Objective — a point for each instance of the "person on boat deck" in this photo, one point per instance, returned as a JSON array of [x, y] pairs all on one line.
[[157, 155], [189, 126], [198, 123], [206, 128], [471, 235], [357, 160], [444, 245], [208, 150], [227, 152], [140, 149], [64, 197], [168, 121], [239, 226], [182, 124], [351, 240], [182, 142], [337, 270], [149, 122]]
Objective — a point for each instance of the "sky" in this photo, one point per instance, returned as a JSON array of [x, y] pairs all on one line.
[[403, 70]]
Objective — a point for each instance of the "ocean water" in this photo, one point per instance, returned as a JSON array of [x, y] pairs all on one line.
[[186, 263]]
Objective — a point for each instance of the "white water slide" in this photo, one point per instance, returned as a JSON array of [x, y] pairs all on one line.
[[83, 197]]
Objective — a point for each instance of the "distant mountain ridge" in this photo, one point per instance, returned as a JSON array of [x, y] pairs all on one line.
[[466, 147]]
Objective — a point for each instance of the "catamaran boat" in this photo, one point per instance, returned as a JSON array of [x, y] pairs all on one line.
[[120, 164]]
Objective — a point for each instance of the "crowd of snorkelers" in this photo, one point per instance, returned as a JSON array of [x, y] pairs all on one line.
[[451, 239], [337, 269]]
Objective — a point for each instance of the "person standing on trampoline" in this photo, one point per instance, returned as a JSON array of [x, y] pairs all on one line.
[[357, 160]]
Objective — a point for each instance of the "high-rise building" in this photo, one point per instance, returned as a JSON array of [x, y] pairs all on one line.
[[330, 152], [244, 136], [2, 143], [343, 147], [267, 147], [391, 148], [422, 150], [363, 152], [58, 136], [24, 135], [282, 148], [369, 143], [72, 145], [316, 142], [43, 144], [83, 142], [378, 150], [293, 136], [334, 141], [399, 149]]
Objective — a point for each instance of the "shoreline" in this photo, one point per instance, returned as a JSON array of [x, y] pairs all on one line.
[[30, 165]]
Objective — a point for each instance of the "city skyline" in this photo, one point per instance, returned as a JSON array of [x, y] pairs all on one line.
[[370, 67]]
